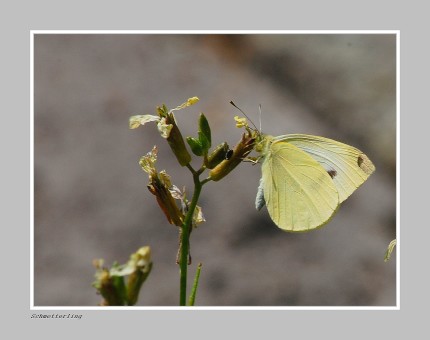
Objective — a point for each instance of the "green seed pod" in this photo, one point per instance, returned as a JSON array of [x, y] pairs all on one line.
[[177, 143], [166, 201], [218, 155], [240, 151]]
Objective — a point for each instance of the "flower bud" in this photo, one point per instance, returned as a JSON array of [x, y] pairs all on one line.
[[195, 145], [112, 288], [141, 261]]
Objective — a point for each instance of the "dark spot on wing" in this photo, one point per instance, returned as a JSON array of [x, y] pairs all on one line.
[[365, 164], [332, 173], [229, 154]]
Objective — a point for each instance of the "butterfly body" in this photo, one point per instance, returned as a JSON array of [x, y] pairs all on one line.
[[305, 178]]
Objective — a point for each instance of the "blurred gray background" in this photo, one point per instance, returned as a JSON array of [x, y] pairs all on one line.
[[90, 194]]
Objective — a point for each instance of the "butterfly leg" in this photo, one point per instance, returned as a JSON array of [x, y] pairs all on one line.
[[253, 160]]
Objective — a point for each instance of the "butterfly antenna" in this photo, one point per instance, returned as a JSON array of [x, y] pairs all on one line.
[[237, 107], [259, 110]]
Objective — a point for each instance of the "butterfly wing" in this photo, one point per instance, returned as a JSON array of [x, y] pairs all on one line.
[[348, 166], [299, 193]]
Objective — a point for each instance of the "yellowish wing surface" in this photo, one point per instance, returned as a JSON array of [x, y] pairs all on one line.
[[348, 166], [299, 193]]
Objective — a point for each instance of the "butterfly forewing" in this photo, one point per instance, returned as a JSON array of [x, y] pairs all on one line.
[[347, 166]]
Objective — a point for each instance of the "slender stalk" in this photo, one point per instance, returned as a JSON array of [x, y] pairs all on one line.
[[206, 180], [185, 239], [192, 298], [189, 166]]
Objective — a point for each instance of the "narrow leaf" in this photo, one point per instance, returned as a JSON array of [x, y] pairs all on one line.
[[192, 298], [390, 249]]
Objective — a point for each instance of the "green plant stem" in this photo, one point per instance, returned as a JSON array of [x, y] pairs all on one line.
[[185, 239], [191, 169], [192, 298]]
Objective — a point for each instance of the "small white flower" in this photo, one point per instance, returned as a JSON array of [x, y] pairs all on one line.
[[135, 121]]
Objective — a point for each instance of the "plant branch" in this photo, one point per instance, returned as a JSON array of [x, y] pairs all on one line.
[[201, 170], [194, 172], [185, 239], [206, 180]]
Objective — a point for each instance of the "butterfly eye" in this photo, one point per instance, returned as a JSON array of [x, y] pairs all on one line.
[[229, 154]]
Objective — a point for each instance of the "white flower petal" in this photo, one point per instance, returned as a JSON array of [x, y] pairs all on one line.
[[136, 121]]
